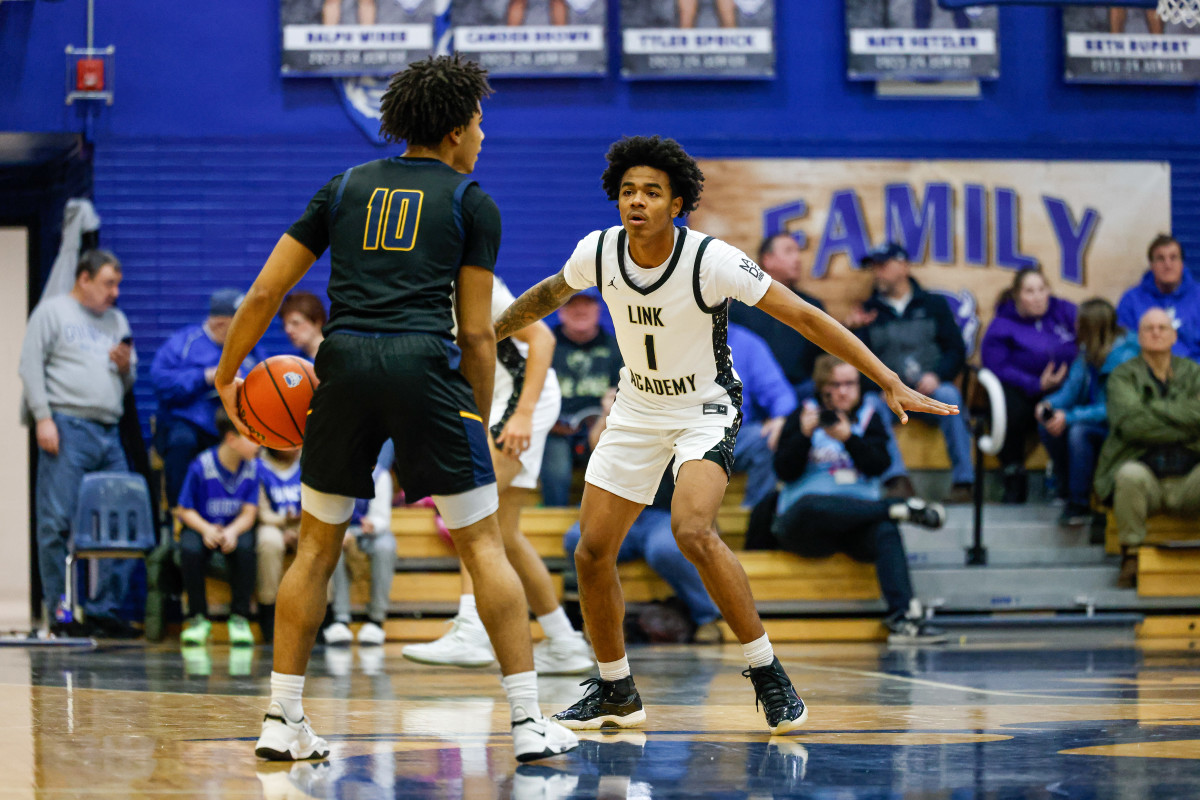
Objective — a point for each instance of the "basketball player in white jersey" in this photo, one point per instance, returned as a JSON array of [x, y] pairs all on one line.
[[525, 404], [668, 291]]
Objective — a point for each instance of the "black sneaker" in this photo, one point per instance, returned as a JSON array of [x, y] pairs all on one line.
[[774, 691], [609, 704], [928, 515]]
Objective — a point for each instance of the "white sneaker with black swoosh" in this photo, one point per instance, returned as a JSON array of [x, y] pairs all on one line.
[[284, 740], [537, 737]]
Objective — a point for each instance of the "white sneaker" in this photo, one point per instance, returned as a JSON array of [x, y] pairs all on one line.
[[535, 782], [284, 740], [563, 655], [338, 633], [371, 634], [464, 645], [538, 737]]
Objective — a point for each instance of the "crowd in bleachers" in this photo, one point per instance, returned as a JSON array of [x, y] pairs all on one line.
[[1111, 391]]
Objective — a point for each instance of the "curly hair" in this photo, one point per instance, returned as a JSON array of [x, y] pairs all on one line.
[[430, 98], [687, 181]]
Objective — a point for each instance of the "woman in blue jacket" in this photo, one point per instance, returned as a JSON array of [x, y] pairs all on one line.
[[1073, 421]]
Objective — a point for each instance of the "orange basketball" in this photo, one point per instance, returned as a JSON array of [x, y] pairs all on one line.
[[273, 402]]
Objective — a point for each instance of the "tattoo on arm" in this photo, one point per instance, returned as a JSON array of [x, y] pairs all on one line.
[[534, 304]]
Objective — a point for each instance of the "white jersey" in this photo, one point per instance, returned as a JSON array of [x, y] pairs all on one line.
[[510, 368], [671, 324]]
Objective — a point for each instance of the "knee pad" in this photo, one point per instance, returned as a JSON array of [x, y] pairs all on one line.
[[332, 509]]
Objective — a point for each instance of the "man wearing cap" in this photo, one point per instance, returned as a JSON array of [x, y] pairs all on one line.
[[587, 363], [914, 333], [182, 374]]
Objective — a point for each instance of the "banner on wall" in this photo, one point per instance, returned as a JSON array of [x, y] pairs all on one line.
[[1114, 44], [698, 38], [355, 37], [967, 225], [904, 40], [533, 39]]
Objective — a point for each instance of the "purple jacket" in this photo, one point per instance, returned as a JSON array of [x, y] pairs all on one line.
[[1018, 349]]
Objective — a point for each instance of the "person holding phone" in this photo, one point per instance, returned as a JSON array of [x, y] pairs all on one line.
[[831, 454]]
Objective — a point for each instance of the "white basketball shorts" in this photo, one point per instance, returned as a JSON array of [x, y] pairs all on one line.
[[629, 462]]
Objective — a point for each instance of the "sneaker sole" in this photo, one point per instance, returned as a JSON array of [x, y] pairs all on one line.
[[525, 758], [268, 754], [607, 721], [436, 663], [789, 725]]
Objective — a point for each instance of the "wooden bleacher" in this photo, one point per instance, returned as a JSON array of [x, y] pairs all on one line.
[[924, 448], [1169, 562]]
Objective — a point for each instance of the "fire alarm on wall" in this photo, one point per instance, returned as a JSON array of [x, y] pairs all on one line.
[[89, 75]]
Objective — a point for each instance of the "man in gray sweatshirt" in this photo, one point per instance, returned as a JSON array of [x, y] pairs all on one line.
[[77, 362]]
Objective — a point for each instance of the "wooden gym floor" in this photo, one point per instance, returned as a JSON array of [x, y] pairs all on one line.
[[1036, 714]]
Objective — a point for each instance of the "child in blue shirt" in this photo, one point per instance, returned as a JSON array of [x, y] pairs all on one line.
[[218, 505]]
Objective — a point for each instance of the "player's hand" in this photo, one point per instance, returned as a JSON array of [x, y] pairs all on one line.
[[47, 435], [213, 537], [229, 394], [515, 437], [928, 384], [810, 417], [771, 430], [900, 398]]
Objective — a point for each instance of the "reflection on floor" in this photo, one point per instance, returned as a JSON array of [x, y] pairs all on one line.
[[1046, 715]]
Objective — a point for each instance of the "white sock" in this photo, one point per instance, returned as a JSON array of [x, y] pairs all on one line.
[[614, 670], [287, 690], [899, 511], [521, 689], [555, 624], [759, 652], [466, 608]]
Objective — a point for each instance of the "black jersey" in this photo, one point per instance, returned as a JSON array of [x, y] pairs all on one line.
[[398, 229]]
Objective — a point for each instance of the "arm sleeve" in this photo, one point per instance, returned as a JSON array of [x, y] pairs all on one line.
[[728, 272], [869, 451], [312, 229], [949, 340], [580, 269], [38, 338], [481, 226], [176, 382], [791, 456]]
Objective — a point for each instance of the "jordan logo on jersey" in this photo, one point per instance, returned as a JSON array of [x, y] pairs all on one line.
[[645, 316], [670, 386]]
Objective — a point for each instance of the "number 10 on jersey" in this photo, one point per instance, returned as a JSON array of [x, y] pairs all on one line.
[[392, 219]]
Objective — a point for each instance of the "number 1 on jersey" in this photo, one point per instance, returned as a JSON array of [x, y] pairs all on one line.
[[651, 360], [392, 217]]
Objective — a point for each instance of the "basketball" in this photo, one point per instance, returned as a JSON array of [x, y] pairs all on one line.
[[273, 401]]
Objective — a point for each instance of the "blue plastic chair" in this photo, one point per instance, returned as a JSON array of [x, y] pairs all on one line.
[[113, 520]]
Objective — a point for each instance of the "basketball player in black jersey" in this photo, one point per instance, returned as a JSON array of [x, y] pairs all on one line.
[[403, 233]]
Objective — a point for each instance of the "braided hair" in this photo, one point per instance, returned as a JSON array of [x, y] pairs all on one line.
[[431, 98], [687, 181]]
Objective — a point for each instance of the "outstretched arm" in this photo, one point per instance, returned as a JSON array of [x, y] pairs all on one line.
[[538, 301], [828, 334]]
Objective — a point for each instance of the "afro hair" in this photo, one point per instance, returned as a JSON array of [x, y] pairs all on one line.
[[687, 181]]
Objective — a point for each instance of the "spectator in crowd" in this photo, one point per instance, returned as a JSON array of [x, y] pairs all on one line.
[[1169, 286], [303, 316], [278, 527], [767, 399], [182, 374], [1150, 461], [779, 256], [1073, 418], [1029, 345], [914, 333], [77, 362], [831, 453], [217, 507], [650, 538], [371, 530], [587, 363]]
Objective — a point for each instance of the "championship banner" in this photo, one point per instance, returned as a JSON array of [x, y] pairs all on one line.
[[533, 39], [697, 38], [1114, 44], [355, 37], [967, 225], [904, 40]]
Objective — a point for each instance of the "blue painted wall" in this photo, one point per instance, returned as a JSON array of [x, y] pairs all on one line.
[[208, 154]]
